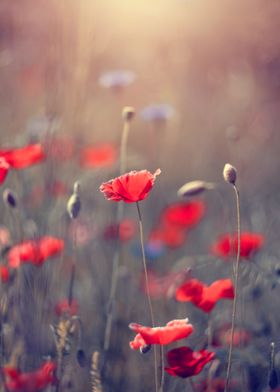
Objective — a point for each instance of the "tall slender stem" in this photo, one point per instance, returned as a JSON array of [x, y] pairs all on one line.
[[236, 276], [147, 287], [73, 269], [123, 154], [116, 257], [162, 368]]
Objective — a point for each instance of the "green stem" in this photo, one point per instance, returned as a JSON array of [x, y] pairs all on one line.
[[236, 275], [147, 288], [116, 257]]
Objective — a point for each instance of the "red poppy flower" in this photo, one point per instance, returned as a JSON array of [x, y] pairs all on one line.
[[124, 231], [63, 307], [222, 336], [174, 330], [170, 235], [226, 246], [163, 286], [4, 273], [60, 148], [202, 296], [35, 251], [184, 362], [4, 168], [98, 156], [21, 158], [36, 381], [130, 187], [215, 385], [184, 214]]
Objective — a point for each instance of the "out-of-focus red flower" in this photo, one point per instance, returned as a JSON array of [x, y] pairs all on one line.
[[130, 187], [125, 231], [63, 307], [4, 273], [57, 188], [170, 235], [215, 385], [60, 148], [5, 237], [31, 80], [202, 296], [173, 331], [163, 286], [98, 156], [184, 362], [36, 381], [222, 336], [226, 245], [21, 158], [35, 251], [184, 214], [4, 168]]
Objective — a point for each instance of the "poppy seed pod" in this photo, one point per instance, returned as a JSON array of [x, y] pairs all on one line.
[[10, 198], [230, 173], [128, 113], [194, 188], [74, 206], [76, 188]]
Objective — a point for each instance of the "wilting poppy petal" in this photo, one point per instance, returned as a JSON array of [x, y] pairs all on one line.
[[130, 187], [21, 158], [4, 168], [36, 381], [98, 156], [173, 331], [184, 362], [184, 214], [226, 245], [202, 296], [35, 251]]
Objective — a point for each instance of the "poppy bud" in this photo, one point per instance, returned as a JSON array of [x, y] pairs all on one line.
[[230, 173], [194, 188], [76, 188], [10, 198], [145, 349], [128, 113], [74, 203]]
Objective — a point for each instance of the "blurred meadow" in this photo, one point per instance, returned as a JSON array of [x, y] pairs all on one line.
[[89, 91]]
